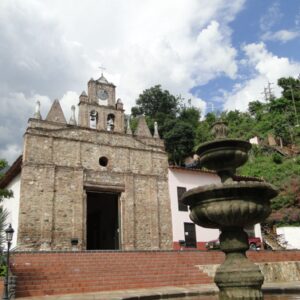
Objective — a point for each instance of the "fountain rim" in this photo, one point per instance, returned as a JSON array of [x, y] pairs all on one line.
[[220, 143], [226, 191]]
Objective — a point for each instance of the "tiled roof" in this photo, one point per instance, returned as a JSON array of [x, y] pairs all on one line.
[[11, 173], [236, 177]]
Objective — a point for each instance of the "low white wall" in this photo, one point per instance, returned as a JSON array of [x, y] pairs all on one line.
[[291, 236]]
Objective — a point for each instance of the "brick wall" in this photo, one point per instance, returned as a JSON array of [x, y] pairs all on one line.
[[1, 286], [45, 273], [200, 246]]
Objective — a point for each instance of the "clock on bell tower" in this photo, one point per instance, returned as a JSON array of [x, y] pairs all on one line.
[[98, 108], [102, 92]]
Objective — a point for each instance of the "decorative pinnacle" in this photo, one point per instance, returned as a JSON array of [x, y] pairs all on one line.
[[220, 129], [73, 119], [156, 134], [37, 114], [128, 129]]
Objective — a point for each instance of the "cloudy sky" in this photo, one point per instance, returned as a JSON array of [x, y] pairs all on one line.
[[219, 53]]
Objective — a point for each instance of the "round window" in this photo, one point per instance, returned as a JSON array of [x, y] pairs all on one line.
[[103, 161]]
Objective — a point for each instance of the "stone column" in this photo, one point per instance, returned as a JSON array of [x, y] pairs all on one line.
[[47, 208], [237, 277], [154, 213], [128, 214]]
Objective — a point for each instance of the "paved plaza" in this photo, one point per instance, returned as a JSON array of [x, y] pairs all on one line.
[[165, 292]]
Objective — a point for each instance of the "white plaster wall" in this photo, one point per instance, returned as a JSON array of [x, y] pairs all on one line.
[[191, 179], [188, 179], [254, 140], [12, 206], [291, 236], [257, 231]]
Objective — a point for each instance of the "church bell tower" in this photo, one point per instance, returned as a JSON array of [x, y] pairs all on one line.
[[99, 109]]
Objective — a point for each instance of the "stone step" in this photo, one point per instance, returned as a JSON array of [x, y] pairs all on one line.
[[62, 273], [51, 273]]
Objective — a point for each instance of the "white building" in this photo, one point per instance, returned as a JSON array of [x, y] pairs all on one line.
[[11, 181], [184, 230]]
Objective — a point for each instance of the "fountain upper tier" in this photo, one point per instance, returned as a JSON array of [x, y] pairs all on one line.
[[224, 156]]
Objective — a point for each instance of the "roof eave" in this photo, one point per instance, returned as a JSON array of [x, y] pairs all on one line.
[[11, 173]]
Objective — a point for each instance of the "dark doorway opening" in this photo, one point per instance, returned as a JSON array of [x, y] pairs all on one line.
[[102, 221], [190, 235]]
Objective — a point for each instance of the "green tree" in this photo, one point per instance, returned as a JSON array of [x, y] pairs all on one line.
[[239, 124], [291, 92], [190, 115], [179, 140], [155, 100], [177, 123], [256, 109], [203, 130], [4, 193]]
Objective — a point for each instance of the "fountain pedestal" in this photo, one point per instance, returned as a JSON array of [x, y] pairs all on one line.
[[230, 206], [237, 277]]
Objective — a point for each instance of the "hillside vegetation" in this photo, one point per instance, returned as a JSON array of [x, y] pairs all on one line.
[[284, 173], [182, 131]]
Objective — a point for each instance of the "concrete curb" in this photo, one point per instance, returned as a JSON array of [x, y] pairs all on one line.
[[167, 292]]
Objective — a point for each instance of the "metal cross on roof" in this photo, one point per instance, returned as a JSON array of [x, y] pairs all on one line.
[[102, 69]]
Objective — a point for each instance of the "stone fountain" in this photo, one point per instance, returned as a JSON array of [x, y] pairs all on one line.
[[230, 206]]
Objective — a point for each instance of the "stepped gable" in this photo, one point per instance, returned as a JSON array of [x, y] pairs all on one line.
[[142, 128], [56, 114]]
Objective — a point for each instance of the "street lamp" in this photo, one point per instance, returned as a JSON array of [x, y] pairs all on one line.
[[9, 232]]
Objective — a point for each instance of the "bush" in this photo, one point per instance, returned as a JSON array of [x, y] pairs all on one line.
[[277, 158]]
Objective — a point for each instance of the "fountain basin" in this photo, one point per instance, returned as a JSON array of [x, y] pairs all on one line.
[[223, 154], [233, 204]]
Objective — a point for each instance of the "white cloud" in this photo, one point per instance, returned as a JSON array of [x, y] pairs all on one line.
[[16, 108], [268, 68], [68, 99], [52, 48], [10, 152], [281, 35], [271, 17]]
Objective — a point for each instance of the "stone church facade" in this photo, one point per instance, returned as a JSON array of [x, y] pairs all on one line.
[[94, 183]]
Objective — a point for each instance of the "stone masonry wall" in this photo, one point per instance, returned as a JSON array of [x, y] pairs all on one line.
[[61, 162]]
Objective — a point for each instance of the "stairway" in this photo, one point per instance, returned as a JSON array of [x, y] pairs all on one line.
[[80, 272], [273, 240]]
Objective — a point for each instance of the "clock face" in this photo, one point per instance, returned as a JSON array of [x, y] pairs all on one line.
[[102, 94]]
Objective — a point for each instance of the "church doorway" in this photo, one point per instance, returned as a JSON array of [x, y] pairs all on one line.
[[102, 221]]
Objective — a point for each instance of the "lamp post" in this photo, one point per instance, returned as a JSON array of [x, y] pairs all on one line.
[[9, 232]]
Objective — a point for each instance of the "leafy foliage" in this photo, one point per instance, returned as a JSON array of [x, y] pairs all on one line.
[[177, 123], [285, 176], [182, 130], [155, 100], [4, 193], [179, 140]]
